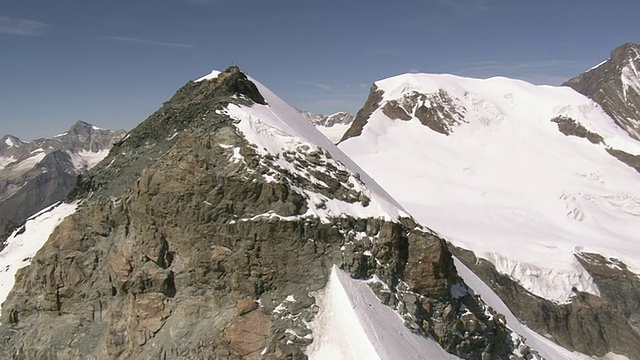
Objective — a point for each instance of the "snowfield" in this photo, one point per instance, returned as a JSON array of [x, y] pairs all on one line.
[[354, 324], [22, 246], [506, 183]]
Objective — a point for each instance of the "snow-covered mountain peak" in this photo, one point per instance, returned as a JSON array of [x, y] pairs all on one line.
[[9, 141], [459, 106], [512, 156]]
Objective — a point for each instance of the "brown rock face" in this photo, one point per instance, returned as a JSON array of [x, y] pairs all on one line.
[[248, 336]]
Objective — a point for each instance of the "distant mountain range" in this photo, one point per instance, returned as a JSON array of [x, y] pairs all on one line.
[[332, 126], [38, 173]]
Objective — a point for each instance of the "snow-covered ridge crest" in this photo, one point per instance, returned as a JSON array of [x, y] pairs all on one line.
[[354, 324], [279, 130], [482, 102]]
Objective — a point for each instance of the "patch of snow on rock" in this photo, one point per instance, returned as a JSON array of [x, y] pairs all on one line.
[[23, 244]]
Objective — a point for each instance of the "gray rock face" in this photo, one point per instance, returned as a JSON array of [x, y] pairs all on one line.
[[615, 85], [362, 117], [39, 173], [588, 324], [173, 256]]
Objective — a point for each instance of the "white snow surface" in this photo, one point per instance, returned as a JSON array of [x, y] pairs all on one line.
[[278, 127], [85, 160], [4, 161], [29, 162], [353, 324], [22, 247], [506, 183], [334, 133]]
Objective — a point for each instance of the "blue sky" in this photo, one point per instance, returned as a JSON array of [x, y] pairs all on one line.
[[112, 63]]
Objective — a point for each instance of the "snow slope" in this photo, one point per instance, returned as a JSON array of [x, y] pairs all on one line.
[[354, 324], [335, 132], [22, 246], [506, 183]]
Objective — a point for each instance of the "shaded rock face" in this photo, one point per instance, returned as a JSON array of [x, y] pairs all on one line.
[[186, 255], [436, 111], [619, 286], [43, 186], [41, 172], [615, 85], [629, 159], [363, 115], [588, 324], [570, 127]]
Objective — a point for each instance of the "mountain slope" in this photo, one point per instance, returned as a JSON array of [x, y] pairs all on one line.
[[39, 173], [615, 85], [211, 230], [522, 176]]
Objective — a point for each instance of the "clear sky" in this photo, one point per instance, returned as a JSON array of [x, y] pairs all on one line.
[[112, 63]]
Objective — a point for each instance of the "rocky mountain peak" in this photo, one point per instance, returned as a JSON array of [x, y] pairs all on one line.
[[332, 126], [626, 52], [9, 141], [615, 85]]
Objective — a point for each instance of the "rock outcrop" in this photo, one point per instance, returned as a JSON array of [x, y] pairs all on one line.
[[615, 85]]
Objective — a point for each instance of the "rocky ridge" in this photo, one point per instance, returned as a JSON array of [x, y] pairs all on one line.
[[615, 85], [41, 172], [191, 241]]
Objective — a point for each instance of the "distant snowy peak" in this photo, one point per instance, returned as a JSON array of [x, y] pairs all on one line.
[[9, 141], [81, 138], [458, 106], [339, 118], [615, 85], [40, 172], [332, 126]]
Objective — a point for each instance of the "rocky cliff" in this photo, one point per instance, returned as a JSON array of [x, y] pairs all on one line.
[[615, 85], [198, 229]]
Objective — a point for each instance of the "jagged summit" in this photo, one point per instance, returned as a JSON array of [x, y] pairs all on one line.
[[615, 85]]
